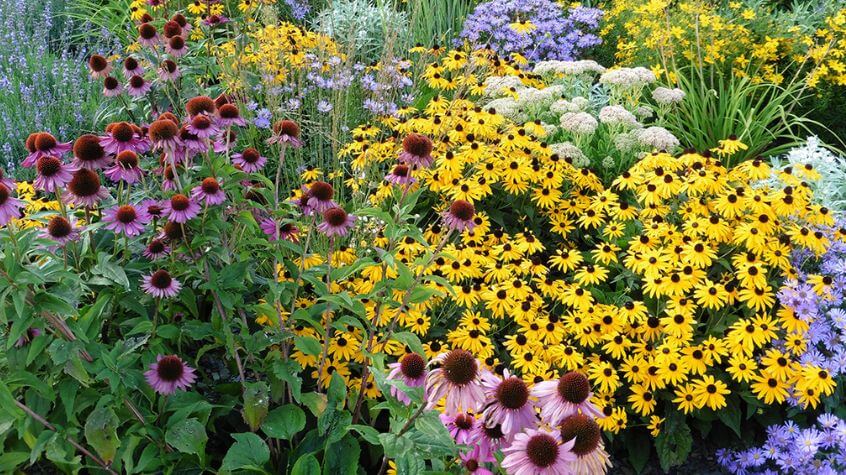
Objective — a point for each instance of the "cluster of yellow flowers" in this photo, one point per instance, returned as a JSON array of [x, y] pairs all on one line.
[[34, 205], [662, 282], [749, 41]]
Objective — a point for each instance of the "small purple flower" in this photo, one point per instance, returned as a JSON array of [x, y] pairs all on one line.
[[156, 249], [126, 219], [161, 285], [85, 189], [286, 132], [179, 208], [52, 174], [112, 87], [228, 115], [400, 175], [417, 151], [286, 231], [138, 86], [564, 397], [30, 334], [170, 373], [202, 126], [336, 222], [250, 160], [460, 426], [122, 136], [508, 403], [320, 196], [169, 71], [209, 192], [43, 145], [125, 168], [60, 229]]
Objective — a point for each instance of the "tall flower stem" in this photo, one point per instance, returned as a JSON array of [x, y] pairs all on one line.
[[327, 315]]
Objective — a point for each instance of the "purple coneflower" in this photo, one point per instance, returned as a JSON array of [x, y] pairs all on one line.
[[171, 28], [85, 189], [400, 175], [52, 174], [568, 395], [112, 87], [191, 144], [411, 370], [459, 216], [152, 207], [163, 134], [215, 20], [9, 206], [250, 160], [417, 150], [132, 67], [458, 379], [43, 144], [138, 86], [176, 46], [170, 373], [61, 230], [536, 452], [179, 208], [472, 462], [228, 115], [225, 141], [120, 137], [591, 457], [209, 191], [508, 403], [99, 66], [125, 168], [126, 219], [336, 222], [161, 285], [88, 153], [168, 178], [460, 426], [488, 438], [156, 249], [168, 71], [148, 35], [182, 21], [4, 180], [287, 231], [202, 126], [30, 334], [286, 132], [320, 196], [200, 105]]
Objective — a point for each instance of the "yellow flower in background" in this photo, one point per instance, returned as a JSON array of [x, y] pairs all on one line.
[[523, 26]]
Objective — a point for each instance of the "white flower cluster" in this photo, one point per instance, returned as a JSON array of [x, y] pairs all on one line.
[[538, 99], [830, 188], [497, 86], [507, 107], [563, 106], [657, 138], [666, 97], [618, 116], [628, 77], [579, 123], [568, 67], [568, 150]]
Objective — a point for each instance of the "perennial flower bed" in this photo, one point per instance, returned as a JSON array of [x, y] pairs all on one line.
[[274, 253]]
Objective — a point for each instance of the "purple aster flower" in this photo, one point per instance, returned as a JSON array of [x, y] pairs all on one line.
[[126, 219], [250, 160], [52, 174], [411, 370], [209, 192], [336, 222], [161, 285], [179, 208], [170, 373]]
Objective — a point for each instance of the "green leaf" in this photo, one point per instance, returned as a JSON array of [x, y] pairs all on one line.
[[308, 345], [306, 465], [288, 371], [674, 443], [411, 341], [730, 415], [188, 436], [248, 451], [342, 456], [101, 432], [284, 422], [10, 460], [639, 449], [110, 271], [256, 400]]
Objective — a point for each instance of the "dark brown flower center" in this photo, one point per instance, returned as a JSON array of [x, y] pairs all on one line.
[[84, 183], [321, 190], [210, 186], [460, 367], [58, 227], [228, 111], [161, 279], [179, 202], [147, 31], [584, 429], [200, 105], [130, 63], [173, 231], [97, 63], [512, 393], [176, 43], [417, 145], [335, 217], [463, 210], [122, 132], [464, 421], [542, 450], [287, 127], [170, 369], [162, 129], [126, 214], [48, 166], [169, 66], [250, 155], [44, 142], [136, 82], [412, 365], [574, 387], [172, 28], [401, 170], [5, 193], [127, 159], [201, 122], [88, 148], [156, 246]]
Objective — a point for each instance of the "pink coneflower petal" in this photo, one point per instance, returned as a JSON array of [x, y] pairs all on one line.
[[458, 380], [126, 219], [286, 132], [459, 216], [411, 370], [250, 160], [61, 230], [336, 222], [320, 196], [538, 452], [43, 145], [417, 151], [209, 192], [170, 373], [9, 206], [125, 168], [179, 208], [52, 174], [508, 404], [156, 249], [564, 397], [85, 189]]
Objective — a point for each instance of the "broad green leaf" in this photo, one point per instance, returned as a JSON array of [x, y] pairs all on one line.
[[306, 465], [248, 451], [256, 401], [101, 432], [284, 422], [188, 436]]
